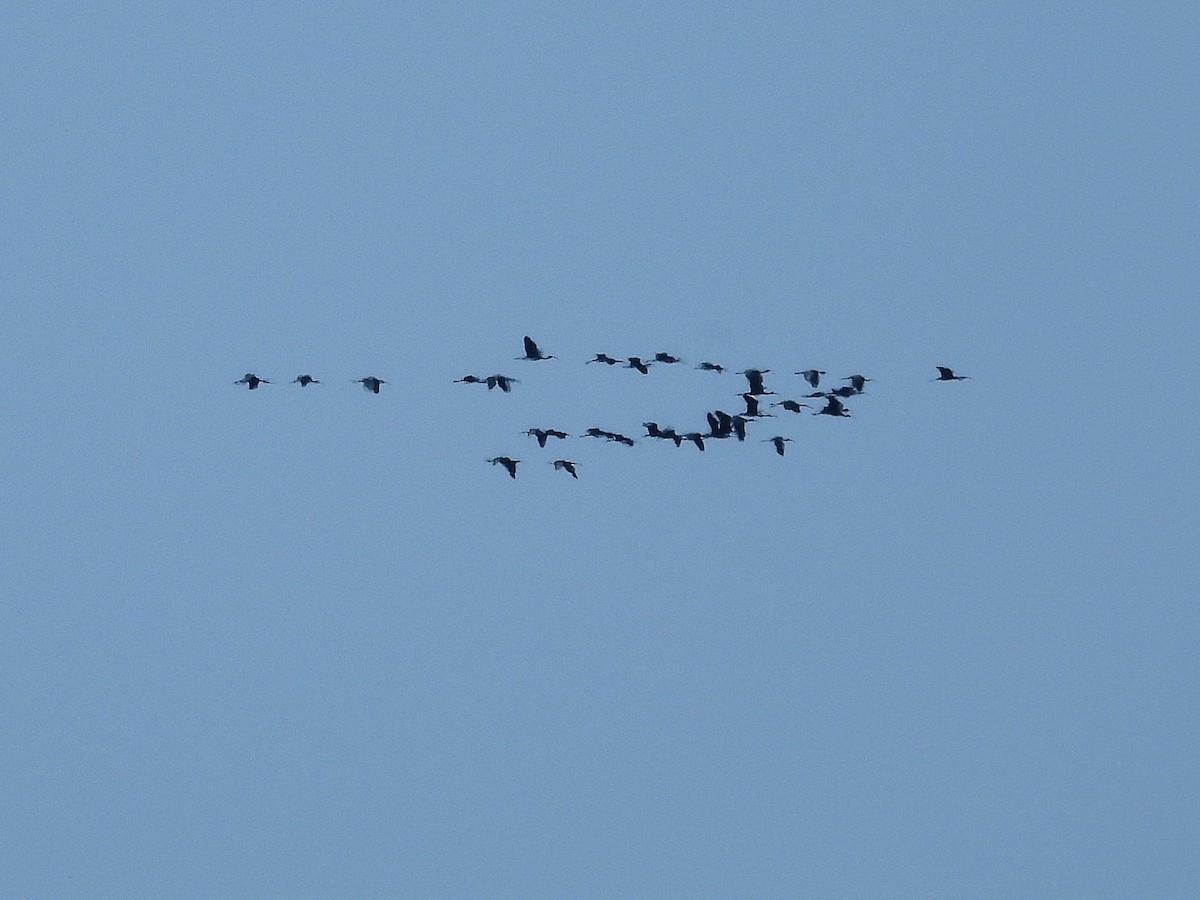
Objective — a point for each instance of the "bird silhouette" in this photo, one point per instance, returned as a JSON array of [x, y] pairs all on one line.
[[739, 426], [752, 407], [470, 379], [857, 381], [604, 358], [720, 424], [666, 358], [844, 391], [508, 463], [541, 434], [945, 374], [503, 382], [812, 376], [833, 407], [371, 383], [251, 381], [567, 465], [635, 362], [305, 380], [710, 367], [755, 377], [532, 351], [778, 441], [654, 431], [793, 406], [695, 437]]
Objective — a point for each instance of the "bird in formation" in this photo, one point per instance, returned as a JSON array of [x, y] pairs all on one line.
[[710, 367], [833, 407], [532, 351], [542, 433], [857, 382], [755, 378], [604, 358], [371, 383], [812, 376], [793, 406], [251, 381], [305, 380], [945, 374], [509, 464], [567, 466], [635, 362], [503, 382], [778, 441], [667, 358]]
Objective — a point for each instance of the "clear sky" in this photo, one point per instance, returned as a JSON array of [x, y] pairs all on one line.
[[308, 643]]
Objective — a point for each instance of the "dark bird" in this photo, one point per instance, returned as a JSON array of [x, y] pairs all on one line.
[[567, 465], [944, 374], [652, 430], [533, 352], [844, 391], [857, 382], [508, 463], [778, 442], [812, 376], [635, 362], [620, 439], [793, 406], [305, 380], [695, 437], [752, 404], [597, 432], [833, 407], [541, 434], [755, 377], [720, 424], [251, 381], [710, 367], [501, 381], [371, 383], [470, 379], [666, 358], [604, 358], [739, 427]]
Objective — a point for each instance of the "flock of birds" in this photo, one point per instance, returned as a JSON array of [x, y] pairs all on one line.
[[720, 423]]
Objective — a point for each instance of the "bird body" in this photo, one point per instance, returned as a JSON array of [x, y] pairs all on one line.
[[812, 376], [567, 466], [470, 379], [857, 382], [509, 464], [604, 358], [532, 351], [635, 362], [833, 407], [371, 383], [666, 358], [251, 381], [305, 380], [946, 374], [755, 377], [710, 367], [793, 406], [778, 441], [542, 433], [503, 382], [695, 437]]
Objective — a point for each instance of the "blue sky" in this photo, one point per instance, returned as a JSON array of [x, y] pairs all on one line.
[[307, 642]]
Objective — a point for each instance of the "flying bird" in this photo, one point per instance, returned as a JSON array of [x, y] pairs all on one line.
[[793, 406], [542, 433], [371, 383], [844, 391], [833, 407], [945, 374], [635, 362], [251, 381], [812, 376], [508, 463], [604, 358], [470, 379], [305, 380], [654, 431], [532, 351], [778, 441], [503, 382], [566, 465], [695, 437], [857, 382], [710, 367], [666, 358], [755, 377], [752, 404]]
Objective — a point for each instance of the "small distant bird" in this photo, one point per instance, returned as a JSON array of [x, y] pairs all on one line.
[[635, 362], [251, 381], [533, 352], [710, 367], [542, 433], [371, 383], [793, 406], [944, 374], [695, 437], [501, 381], [844, 391], [567, 465], [604, 358], [720, 424], [508, 463], [752, 404], [833, 407], [857, 382], [778, 442], [620, 438], [654, 431], [470, 379], [812, 376], [755, 377], [596, 432], [305, 380], [739, 427], [666, 358]]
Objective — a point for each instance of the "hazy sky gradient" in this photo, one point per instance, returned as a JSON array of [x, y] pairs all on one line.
[[307, 642]]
